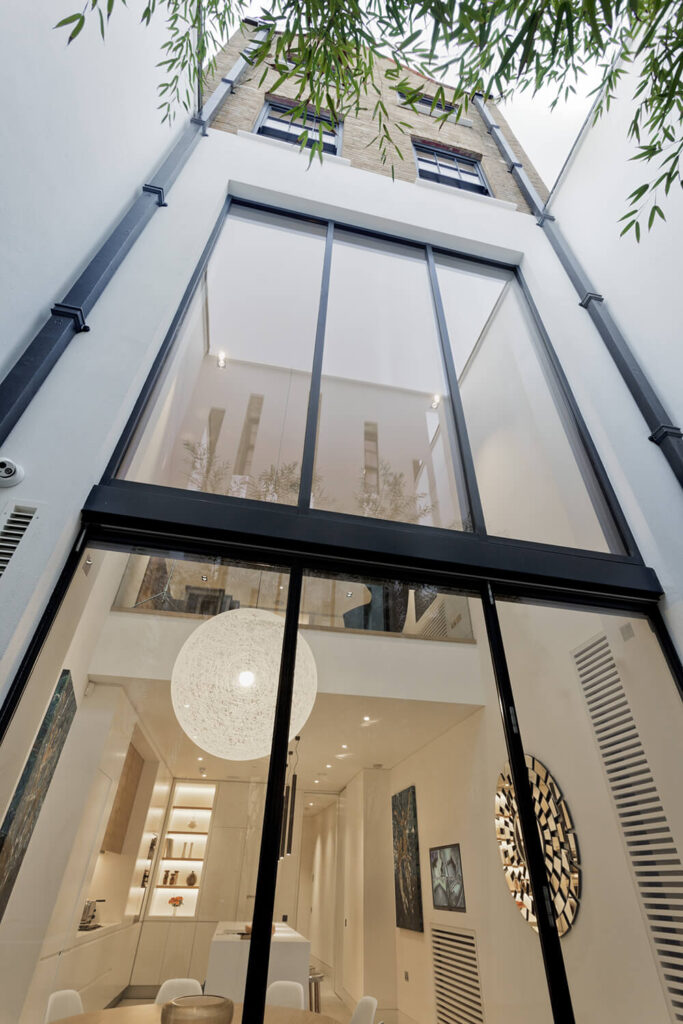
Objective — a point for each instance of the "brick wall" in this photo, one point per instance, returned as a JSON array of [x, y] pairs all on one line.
[[241, 109]]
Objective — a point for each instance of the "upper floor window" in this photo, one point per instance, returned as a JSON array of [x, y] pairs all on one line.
[[426, 105], [436, 163], [275, 124]]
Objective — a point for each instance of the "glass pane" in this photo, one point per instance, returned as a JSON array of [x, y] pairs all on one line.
[[601, 718], [533, 473], [134, 773], [384, 436], [230, 413], [401, 892]]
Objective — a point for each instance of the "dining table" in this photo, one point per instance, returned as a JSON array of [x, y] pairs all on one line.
[[150, 1013]]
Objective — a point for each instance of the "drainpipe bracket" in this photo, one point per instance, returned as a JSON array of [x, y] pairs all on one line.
[[590, 297], [74, 312], [157, 191], [663, 431], [197, 119], [512, 165], [543, 217]]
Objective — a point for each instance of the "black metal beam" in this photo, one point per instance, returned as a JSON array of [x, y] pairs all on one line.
[[259, 954], [663, 431], [144, 511]]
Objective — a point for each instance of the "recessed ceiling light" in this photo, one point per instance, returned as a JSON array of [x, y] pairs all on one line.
[[186, 705], [328, 765], [366, 718], [310, 804], [344, 746], [316, 781], [200, 758]]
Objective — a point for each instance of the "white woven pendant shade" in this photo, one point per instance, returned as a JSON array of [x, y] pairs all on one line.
[[224, 683]]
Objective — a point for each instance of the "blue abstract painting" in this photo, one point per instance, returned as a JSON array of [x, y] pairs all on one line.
[[29, 796]]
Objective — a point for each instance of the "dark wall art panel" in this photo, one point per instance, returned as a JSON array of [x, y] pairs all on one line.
[[407, 886], [22, 813], [448, 888]]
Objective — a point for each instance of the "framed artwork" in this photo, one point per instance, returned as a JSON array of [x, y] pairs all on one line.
[[22, 813], [448, 888], [407, 886]]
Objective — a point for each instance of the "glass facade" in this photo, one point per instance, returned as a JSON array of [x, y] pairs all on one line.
[[245, 754], [230, 412], [137, 829], [389, 443], [383, 391]]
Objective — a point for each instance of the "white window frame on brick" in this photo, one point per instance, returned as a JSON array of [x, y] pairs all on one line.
[[273, 123], [449, 167]]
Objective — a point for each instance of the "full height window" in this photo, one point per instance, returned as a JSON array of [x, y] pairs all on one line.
[[275, 123], [435, 163]]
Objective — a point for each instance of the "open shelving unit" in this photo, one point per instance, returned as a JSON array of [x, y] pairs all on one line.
[[182, 850]]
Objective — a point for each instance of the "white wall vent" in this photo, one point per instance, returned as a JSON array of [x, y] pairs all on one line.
[[16, 524], [655, 862], [456, 976]]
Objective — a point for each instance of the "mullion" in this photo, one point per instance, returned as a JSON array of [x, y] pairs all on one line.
[[553, 960], [264, 900], [310, 435], [463, 458]]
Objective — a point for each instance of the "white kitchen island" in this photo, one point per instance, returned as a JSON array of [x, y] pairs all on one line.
[[226, 974]]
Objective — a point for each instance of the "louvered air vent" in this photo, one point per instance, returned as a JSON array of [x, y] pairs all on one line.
[[456, 976], [656, 865], [16, 525]]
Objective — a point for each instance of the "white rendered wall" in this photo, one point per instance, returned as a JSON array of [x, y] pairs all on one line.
[[641, 285], [640, 281], [79, 137]]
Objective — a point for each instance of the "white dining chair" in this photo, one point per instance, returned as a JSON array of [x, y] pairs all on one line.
[[65, 1003], [173, 988], [286, 993], [365, 1011]]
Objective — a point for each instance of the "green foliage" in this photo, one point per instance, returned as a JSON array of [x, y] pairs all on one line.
[[331, 49]]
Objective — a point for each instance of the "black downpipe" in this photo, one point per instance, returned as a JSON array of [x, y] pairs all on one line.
[[663, 431]]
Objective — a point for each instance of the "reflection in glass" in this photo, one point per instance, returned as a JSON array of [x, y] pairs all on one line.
[[384, 447], [532, 471], [145, 841], [230, 413], [401, 712], [597, 706]]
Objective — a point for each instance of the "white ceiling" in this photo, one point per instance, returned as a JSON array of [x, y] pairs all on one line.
[[394, 730]]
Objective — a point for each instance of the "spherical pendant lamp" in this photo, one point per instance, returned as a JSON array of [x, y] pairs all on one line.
[[225, 679]]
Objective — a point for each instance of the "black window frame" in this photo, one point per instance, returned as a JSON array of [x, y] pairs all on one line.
[[455, 158], [276, 108]]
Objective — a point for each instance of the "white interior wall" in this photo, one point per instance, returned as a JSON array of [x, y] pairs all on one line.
[[621, 974], [316, 918]]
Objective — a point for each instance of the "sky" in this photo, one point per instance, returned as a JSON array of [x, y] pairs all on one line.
[[548, 136]]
